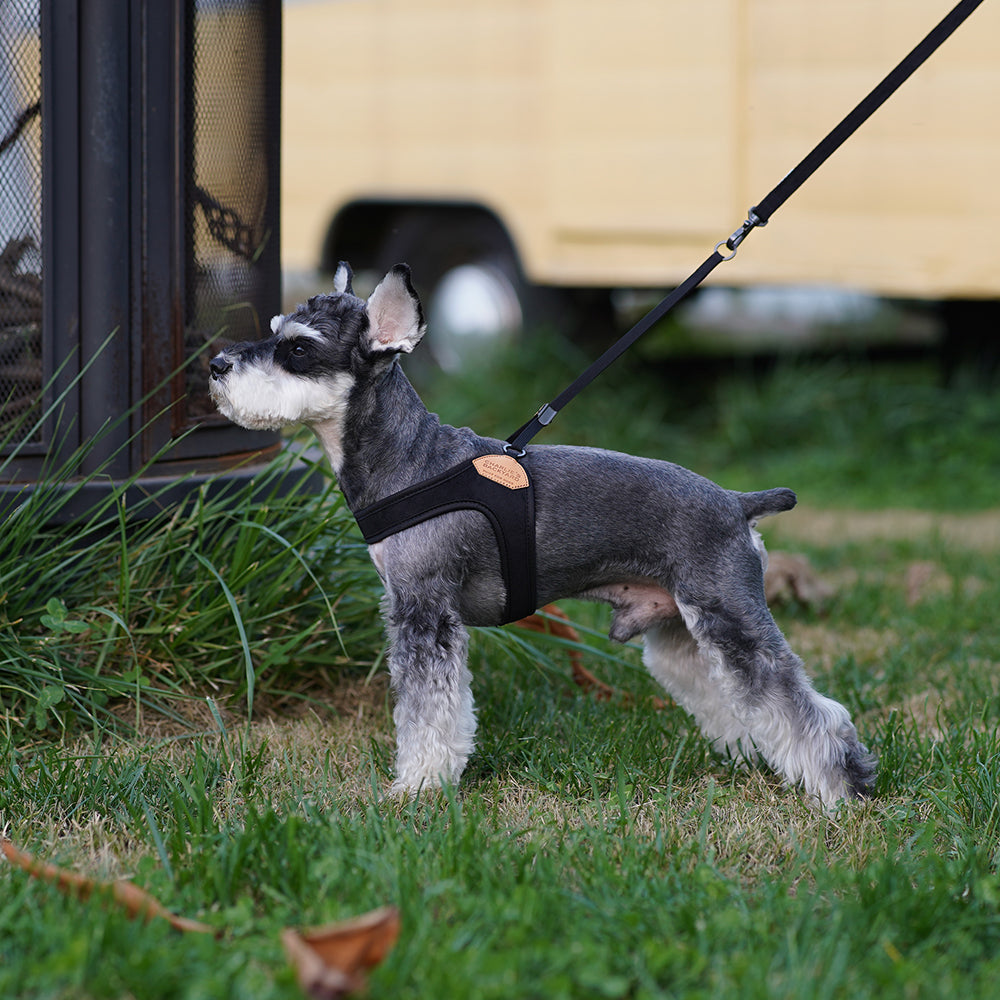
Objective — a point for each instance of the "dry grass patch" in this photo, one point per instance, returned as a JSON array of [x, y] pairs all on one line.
[[979, 531], [746, 821], [820, 645]]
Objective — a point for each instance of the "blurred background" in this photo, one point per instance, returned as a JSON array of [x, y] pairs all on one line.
[[179, 171], [553, 162], [549, 168]]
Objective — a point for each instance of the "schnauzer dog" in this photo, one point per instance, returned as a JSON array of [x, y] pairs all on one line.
[[675, 555]]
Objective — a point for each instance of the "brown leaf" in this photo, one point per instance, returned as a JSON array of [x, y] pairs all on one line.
[[581, 675], [560, 628], [790, 577], [925, 580], [331, 961], [134, 900]]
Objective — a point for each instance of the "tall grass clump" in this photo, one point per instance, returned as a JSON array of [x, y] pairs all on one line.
[[241, 586]]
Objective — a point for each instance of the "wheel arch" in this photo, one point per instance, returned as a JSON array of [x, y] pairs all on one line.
[[360, 229]]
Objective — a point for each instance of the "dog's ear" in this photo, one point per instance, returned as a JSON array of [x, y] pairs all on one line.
[[342, 279], [395, 318]]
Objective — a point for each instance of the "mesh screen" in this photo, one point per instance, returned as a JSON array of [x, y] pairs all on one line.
[[228, 183], [20, 218]]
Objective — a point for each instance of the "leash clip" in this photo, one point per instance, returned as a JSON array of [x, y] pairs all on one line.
[[753, 220]]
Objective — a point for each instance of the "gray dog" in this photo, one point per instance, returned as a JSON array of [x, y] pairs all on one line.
[[675, 555]]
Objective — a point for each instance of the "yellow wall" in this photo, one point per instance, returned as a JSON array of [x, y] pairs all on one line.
[[619, 142]]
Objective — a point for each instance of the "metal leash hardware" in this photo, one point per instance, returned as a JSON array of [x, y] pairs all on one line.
[[753, 220]]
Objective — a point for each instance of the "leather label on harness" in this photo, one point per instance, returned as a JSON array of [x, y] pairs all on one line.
[[502, 469]]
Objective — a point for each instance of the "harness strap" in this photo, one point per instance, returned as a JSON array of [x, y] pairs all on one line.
[[758, 215], [496, 486]]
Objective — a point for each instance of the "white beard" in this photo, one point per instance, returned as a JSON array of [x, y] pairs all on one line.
[[266, 397]]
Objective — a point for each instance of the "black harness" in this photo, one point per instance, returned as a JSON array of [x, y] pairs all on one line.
[[495, 485], [498, 485]]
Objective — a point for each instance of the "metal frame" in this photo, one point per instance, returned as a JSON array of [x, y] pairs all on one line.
[[116, 82]]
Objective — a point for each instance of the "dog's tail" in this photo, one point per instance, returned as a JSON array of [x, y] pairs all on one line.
[[767, 502]]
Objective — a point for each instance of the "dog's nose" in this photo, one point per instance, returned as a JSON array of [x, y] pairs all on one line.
[[219, 365]]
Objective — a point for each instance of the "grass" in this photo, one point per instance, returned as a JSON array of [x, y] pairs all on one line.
[[156, 606], [595, 849]]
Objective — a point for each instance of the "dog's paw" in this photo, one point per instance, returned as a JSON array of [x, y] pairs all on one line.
[[399, 791], [402, 800], [402, 791], [860, 765]]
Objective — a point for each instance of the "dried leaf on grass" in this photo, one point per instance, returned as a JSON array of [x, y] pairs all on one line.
[[925, 580], [561, 628], [331, 961], [791, 577], [554, 621], [135, 901]]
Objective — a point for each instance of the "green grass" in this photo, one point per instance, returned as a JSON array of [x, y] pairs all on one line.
[[595, 849], [239, 591]]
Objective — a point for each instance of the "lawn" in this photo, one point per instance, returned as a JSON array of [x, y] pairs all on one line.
[[199, 704]]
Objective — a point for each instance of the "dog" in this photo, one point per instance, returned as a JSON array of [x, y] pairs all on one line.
[[676, 556]]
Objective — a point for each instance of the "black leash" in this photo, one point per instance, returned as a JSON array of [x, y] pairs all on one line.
[[759, 215]]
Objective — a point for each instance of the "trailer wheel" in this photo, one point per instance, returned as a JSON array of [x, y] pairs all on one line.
[[466, 272]]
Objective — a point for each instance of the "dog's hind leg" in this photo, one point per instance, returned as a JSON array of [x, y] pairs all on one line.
[[434, 713], [698, 684], [803, 735], [765, 699]]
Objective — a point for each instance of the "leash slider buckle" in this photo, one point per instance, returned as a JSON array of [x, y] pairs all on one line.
[[545, 414]]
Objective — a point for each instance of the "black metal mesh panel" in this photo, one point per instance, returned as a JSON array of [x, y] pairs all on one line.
[[230, 231], [20, 217]]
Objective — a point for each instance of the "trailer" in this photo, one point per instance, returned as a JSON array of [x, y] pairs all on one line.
[[549, 150]]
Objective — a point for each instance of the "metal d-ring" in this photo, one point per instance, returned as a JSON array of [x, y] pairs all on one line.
[[724, 243]]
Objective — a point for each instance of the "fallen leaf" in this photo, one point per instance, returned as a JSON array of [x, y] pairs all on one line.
[[561, 628], [925, 580], [552, 620], [134, 900], [792, 577], [331, 961]]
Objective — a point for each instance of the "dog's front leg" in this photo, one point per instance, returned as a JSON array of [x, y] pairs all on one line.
[[434, 714]]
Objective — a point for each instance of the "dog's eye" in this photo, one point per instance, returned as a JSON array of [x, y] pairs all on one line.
[[298, 351]]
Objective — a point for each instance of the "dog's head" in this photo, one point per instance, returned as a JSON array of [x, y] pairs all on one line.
[[305, 371]]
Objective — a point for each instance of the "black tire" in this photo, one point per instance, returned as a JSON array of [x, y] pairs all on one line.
[[437, 240], [469, 281], [971, 341]]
